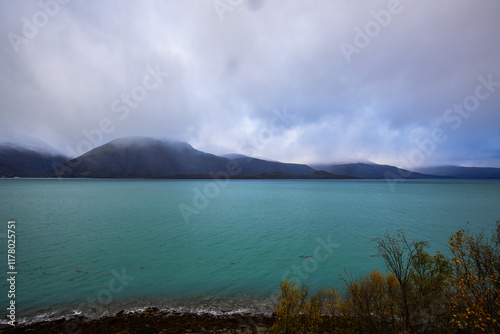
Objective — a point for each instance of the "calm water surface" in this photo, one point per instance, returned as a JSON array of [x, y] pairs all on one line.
[[96, 246]]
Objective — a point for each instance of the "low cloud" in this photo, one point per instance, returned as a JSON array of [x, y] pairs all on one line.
[[227, 74]]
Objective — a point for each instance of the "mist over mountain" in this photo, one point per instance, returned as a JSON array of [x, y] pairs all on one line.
[[143, 157], [374, 171], [235, 156], [150, 158], [252, 166], [21, 161], [463, 172]]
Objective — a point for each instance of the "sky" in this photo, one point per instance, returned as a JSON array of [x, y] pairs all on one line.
[[400, 82]]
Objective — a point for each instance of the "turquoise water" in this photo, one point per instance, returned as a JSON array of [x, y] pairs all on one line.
[[96, 246]]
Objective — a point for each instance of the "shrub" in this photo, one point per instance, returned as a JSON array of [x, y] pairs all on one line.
[[296, 314], [399, 256], [423, 283], [431, 284], [421, 293], [370, 303], [475, 302], [291, 302]]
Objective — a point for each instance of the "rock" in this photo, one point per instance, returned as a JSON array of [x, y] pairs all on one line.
[[5, 326], [147, 330]]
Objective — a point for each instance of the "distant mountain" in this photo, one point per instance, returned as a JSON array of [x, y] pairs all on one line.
[[463, 172], [289, 176], [373, 171], [22, 161], [322, 175], [251, 166], [140, 157], [234, 156]]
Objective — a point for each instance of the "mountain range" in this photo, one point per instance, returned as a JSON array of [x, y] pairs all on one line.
[[463, 172], [374, 171], [142, 157], [22, 161]]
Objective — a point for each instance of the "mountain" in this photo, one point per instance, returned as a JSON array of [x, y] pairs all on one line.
[[142, 157], [234, 156], [463, 172], [21, 161], [321, 175], [252, 166], [373, 171]]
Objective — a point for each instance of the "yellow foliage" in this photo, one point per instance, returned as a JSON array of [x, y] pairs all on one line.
[[431, 294], [475, 301], [371, 302], [296, 314]]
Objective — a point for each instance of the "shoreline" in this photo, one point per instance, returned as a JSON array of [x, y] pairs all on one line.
[[198, 304], [151, 320]]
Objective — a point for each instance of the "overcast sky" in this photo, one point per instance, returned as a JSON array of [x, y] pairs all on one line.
[[408, 83]]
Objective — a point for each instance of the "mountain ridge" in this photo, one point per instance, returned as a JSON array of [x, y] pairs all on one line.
[[144, 157], [464, 172], [20, 161], [375, 171]]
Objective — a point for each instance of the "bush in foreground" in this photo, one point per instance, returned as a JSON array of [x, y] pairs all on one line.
[[296, 314], [420, 293], [475, 301]]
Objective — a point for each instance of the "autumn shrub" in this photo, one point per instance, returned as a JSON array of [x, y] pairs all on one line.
[[420, 293], [291, 302], [475, 302], [370, 303], [399, 255], [295, 313], [430, 279], [331, 308], [330, 301], [423, 283]]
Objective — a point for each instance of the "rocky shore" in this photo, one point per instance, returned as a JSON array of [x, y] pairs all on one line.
[[149, 321]]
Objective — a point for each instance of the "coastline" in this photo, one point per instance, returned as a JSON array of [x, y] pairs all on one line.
[[151, 320]]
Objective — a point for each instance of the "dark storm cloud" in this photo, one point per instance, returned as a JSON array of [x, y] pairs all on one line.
[[85, 72]]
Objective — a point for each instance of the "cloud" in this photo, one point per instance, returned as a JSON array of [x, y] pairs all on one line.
[[228, 72]]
